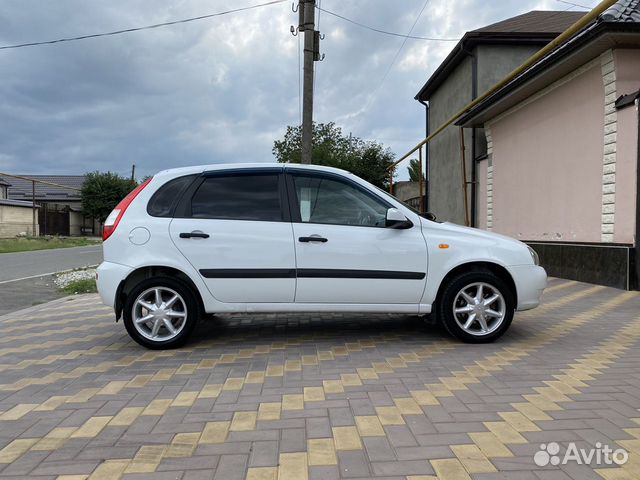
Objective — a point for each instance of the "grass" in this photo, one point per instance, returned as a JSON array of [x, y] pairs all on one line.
[[80, 286], [28, 244]]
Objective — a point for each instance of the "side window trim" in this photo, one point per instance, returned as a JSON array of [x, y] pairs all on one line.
[[183, 209], [293, 196]]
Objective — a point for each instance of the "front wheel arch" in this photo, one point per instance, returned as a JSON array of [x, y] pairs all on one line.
[[497, 270]]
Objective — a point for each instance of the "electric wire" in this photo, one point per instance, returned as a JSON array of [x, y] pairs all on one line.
[[395, 58], [137, 29], [385, 32], [574, 4]]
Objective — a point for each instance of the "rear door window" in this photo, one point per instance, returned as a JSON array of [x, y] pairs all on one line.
[[239, 197]]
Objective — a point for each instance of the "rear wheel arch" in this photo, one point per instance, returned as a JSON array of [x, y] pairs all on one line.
[[147, 272]]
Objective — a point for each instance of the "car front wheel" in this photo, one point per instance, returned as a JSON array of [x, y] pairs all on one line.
[[160, 313], [476, 307]]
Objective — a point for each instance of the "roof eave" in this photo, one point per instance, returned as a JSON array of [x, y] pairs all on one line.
[[468, 42], [482, 112]]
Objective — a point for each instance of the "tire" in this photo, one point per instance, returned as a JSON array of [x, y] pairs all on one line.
[[461, 293], [155, 333]]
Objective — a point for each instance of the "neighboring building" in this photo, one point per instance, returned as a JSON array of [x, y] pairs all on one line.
[[408, 192], [562, 171], [61, 212], [480, 59], [3, 188], [16, 216]]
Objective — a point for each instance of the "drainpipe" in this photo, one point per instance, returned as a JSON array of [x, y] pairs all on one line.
[[637, 239], [474, 170], [426, 154], [474, 163]]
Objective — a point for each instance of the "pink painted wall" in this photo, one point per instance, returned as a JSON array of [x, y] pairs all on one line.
[[626, 177], [627, 64], [547, 164], [481, 193]]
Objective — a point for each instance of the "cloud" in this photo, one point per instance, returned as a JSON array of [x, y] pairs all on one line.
[[217, 90]]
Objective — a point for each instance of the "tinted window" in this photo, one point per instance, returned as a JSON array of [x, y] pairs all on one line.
[[164, 201], [323, 200], [238, 197]]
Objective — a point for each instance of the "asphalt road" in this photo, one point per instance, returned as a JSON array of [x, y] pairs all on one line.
[[15, 266]]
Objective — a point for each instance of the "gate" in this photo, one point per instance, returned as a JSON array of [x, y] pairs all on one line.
[[53, 219]]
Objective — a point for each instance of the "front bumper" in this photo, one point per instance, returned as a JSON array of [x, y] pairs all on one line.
[[530, 280], [108, 280]]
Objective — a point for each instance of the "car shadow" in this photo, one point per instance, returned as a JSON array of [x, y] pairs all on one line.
[[265, 328]]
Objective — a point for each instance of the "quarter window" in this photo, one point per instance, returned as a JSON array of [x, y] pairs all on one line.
[[238, 197], [164, 201], [324, 200]]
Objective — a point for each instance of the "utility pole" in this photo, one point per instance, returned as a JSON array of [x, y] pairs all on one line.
[[307, 12], [133, 172]]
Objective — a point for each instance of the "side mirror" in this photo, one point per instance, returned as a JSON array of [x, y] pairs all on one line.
[[396, 219], [430, 216]]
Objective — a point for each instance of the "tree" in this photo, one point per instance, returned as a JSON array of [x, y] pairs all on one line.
[[367, 159], [414, 170], [101, 192]]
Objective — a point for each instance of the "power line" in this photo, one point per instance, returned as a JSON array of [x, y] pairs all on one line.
[[395, 57], [147, 27], [413, 37], [574, 4]]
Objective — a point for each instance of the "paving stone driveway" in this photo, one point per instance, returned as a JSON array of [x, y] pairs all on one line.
[[321, 396]]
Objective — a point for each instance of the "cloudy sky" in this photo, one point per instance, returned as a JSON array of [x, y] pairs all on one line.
[[213, 91]]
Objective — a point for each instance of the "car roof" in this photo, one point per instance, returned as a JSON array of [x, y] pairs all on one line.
[[174, 172]]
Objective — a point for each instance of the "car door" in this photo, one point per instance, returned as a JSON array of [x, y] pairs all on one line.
[[345, 254], [233, 227]]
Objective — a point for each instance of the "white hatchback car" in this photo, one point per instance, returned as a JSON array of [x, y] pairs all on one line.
[[293, 238]]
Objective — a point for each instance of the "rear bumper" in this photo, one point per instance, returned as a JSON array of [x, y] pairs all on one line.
[[109, 277], [530, 280]]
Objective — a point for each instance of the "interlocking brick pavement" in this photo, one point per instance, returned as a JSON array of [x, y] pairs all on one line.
[[321, 396]]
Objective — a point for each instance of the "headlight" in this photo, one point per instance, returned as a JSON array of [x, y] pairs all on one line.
[[534, 255]]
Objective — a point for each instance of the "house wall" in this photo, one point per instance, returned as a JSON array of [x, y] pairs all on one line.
[[627, 70], [445, 195], [627, 64], [494, 63], [626, 176], [15, 221], [406, 190], [481, 194], [547, 163]]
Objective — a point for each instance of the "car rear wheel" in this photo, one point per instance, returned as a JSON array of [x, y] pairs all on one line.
[[476, 307], [160, 313]]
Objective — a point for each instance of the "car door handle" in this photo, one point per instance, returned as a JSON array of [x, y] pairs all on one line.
[[313, 238], [194, 235]]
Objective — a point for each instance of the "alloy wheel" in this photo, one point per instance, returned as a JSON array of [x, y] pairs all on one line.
[[159, 314], [479, 309]]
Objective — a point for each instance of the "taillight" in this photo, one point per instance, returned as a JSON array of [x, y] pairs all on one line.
[[112, 221]]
